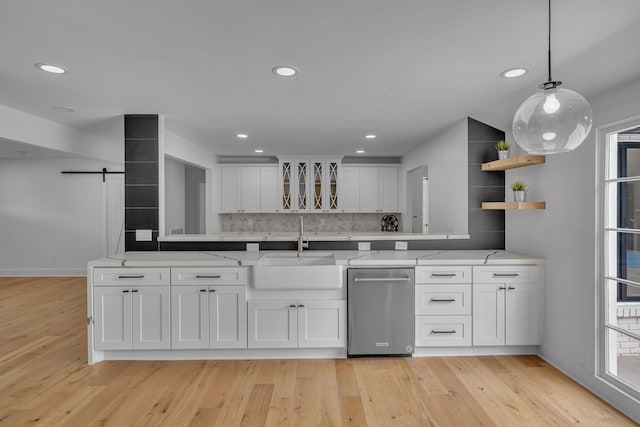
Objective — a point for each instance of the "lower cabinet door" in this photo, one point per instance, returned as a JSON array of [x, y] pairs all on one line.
[[443, 331], [151, 317], [488, 314], [112, 312], [322, 324], [273, 324], [522, 314], [189, 317], [227, 317]]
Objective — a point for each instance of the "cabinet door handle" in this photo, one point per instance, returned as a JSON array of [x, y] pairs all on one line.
[[203, 290], [130, 276], [502, 288], [292, 306], [125, 291], [505, 274], [510, 288], [443, 274], [381, 279], [440, 331], [301, 306], [212, 290], [135, 290], [208, 276], [442, 299]]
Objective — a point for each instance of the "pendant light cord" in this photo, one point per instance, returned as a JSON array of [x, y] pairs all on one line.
[[549, 51]]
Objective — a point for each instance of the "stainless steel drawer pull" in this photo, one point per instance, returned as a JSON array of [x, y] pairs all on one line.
[[380, 279], [439, 331], [208, 276], [131, 276], [443, 274], [442, 299], [505, 274]]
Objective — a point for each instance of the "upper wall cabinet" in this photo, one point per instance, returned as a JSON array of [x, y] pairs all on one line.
[[379, 189], [308, 185], [242, 188]]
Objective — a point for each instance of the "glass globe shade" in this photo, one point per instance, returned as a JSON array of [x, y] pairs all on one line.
[[552, 121]]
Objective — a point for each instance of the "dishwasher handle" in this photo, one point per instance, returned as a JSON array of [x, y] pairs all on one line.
[[381, 279]]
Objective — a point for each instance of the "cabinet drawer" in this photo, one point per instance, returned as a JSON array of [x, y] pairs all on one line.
[[443, 331], [506, 274], [443, 299], [131, 276], [443, 274], [208, 276]]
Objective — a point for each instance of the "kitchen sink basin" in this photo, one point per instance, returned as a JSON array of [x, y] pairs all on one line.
[[302, 271]]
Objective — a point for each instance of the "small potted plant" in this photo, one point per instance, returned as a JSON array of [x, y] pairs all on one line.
[[519, 191], [504, 150]]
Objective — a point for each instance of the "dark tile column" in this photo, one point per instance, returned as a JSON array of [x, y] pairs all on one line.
[[486, 227], [140, 180]]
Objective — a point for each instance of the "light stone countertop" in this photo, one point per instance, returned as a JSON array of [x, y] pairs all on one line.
[[345, 258], [314, 236]]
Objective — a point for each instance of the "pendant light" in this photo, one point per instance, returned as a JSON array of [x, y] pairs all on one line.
[[553, 120]]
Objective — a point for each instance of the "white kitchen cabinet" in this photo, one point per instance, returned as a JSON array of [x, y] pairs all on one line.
[[273, 324], [297, 324], [269, 189], [349, 189], [324, 179], [293, 180], [378, 189], [443, 306], [506, 311], [240, 189], [132, 317], [208, 308], [322, 323]]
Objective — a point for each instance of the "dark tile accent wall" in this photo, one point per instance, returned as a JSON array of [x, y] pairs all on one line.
[[486, 227], [140, 180]]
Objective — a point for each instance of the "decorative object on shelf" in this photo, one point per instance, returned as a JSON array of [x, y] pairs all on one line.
[[504, 150], [389, 223], [553, 120], [519, 191]]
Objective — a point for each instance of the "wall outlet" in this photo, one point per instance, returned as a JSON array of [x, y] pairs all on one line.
[[401, 246], [250, 222], [253, 247], [143, 236], [364, 246], [323, 221]]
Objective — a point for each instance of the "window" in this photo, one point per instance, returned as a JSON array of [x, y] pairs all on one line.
[[620, 295]]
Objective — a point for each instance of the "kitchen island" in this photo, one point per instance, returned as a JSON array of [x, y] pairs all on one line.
[[208, 305]]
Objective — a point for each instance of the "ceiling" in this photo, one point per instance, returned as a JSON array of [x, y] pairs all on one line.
[[402, 70]]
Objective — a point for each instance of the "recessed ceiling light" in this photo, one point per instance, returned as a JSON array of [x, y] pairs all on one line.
[[513, 72], [54, 69], [285, 71], [258, 150], [370, 136], [242, 136], [63, 109], [360, 151]]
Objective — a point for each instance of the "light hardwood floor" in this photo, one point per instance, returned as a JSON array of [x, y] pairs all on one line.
[[45, 380]]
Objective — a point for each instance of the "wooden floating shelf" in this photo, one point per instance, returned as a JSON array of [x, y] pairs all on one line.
[[513, 205], [513, 163]]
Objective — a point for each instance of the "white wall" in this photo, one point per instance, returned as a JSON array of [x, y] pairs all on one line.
[[446, 157], [184, 150], [50, 223], [564, 234], [174, 190]]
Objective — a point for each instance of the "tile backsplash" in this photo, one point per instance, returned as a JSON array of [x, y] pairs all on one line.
[[312, 222]]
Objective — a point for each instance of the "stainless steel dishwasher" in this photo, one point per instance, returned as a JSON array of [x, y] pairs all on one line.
[[381, 311]]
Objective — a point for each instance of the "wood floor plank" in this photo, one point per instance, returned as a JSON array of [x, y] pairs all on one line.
[[45, 380]]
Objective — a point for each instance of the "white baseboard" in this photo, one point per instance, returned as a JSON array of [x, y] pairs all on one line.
[[17, 272]]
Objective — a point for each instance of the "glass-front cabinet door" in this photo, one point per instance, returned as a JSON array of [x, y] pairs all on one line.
[[309, 185]]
